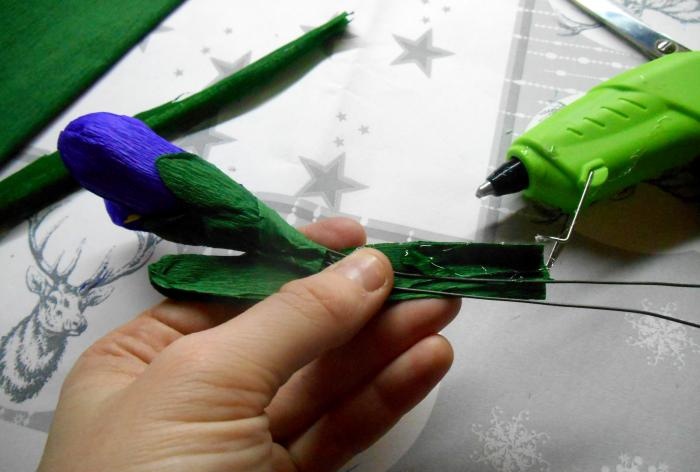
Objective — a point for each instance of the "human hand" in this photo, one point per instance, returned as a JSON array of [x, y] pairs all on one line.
[[302, 381]]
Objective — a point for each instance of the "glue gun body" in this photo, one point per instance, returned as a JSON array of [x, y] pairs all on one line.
[[630, 128]]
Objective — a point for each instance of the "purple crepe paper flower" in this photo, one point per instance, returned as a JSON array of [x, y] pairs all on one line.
[[115, 157]]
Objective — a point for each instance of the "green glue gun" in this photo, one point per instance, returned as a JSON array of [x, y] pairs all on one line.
[[630, 128]]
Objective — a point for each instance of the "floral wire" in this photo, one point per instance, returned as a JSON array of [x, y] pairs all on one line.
[[550, 281], [340, 255], [495, 280], [556, 304]]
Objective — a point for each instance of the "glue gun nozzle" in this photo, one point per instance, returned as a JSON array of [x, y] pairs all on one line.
[[485, 189]]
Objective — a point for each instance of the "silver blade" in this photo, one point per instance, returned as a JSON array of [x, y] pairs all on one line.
[[652, 43]]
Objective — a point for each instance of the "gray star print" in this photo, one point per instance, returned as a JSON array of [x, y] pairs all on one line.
[[328, 181], [421, 52], [201, 142], [227, 68]]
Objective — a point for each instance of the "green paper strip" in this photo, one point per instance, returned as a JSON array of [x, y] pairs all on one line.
[[250, 278], [46, 180], [54, 50]]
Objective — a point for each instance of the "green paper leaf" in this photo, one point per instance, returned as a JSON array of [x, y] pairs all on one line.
[[243, 278], [251, 278]]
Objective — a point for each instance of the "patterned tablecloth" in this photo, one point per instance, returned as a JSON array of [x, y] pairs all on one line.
[[396, 126]]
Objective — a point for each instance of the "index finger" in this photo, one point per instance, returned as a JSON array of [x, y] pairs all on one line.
[[336, 233]]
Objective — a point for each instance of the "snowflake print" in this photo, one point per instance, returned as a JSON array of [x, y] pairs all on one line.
[[508, 446], [662, 339], [635, 464]]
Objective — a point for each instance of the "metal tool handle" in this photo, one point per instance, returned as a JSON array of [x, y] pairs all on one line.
[[651, 43]]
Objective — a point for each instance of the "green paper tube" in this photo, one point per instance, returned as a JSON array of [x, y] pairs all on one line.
[[46, 180]]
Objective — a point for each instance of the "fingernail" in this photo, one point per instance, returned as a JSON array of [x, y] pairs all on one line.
[[363, 267]]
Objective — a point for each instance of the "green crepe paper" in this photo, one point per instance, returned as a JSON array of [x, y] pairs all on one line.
[[218, 212], [46, 180], [244, 279], [518, 262], [250, 278], [53, 50]]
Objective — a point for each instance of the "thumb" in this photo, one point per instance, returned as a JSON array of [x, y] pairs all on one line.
[[306, 318]]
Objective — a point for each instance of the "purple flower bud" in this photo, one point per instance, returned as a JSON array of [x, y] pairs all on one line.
[[115, 157]]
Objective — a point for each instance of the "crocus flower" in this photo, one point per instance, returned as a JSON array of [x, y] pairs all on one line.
[[114, 156], [152, 185]]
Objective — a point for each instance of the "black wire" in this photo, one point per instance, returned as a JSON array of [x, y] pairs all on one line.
[[468, 280], [485, 280], [556, 304], [546, 281]]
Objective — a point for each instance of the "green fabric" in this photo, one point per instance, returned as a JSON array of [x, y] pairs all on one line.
[[46, 180], [53, 50], [250, 278]]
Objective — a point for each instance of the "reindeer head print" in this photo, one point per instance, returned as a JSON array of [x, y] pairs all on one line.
[[60, 308], [61, 305], [30, 352]]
